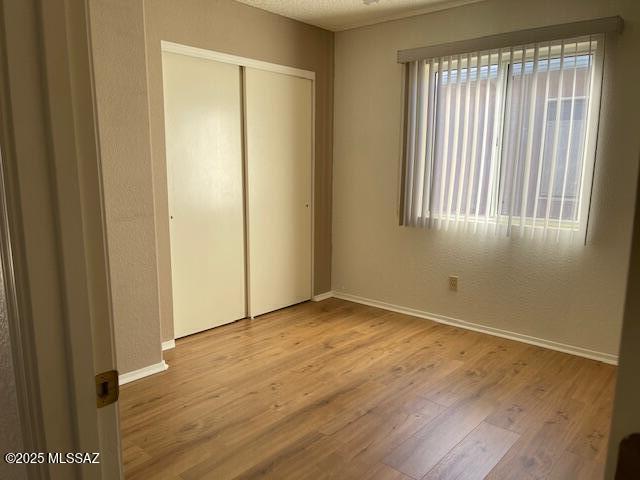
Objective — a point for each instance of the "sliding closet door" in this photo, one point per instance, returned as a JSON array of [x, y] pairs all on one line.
[[279, 126], [204, 166]]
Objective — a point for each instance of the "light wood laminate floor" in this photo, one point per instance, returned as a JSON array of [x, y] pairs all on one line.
[[345, 391]]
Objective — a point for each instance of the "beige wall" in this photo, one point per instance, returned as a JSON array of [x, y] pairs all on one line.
[[569, 295], [10, 429], [123, 123], [234, 28], [626, 414]]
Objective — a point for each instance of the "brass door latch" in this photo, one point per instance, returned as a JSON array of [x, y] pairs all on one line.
[[107, 388]]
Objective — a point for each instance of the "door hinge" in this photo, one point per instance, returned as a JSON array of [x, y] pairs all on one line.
[[107, 388]]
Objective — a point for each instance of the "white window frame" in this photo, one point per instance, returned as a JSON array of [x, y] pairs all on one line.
[[589, 154]]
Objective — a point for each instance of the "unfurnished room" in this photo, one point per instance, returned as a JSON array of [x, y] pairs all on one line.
[[320, 239]]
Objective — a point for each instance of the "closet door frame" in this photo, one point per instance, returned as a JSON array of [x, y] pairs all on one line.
[[244, 62]]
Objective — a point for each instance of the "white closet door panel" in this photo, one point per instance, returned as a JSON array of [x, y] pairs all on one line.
[[204, 161], [279, 126]]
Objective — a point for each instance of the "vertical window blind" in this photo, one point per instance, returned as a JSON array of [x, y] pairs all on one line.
[[503, 141]]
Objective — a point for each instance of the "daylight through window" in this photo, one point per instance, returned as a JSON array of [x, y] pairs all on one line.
[[503, 141]]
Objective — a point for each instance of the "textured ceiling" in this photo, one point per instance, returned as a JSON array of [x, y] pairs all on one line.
[[343, 14]]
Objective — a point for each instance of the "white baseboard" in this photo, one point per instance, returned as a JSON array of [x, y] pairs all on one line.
[[142, 372], [541, 342], [168, 345], [322, 296]]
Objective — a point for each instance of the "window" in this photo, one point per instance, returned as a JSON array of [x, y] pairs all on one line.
[[503, 140]]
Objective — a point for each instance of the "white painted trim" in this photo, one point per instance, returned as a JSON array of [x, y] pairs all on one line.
[[519, 337], [168, 345], [312, 200], [322, 296], [234, 59], [142, 372]]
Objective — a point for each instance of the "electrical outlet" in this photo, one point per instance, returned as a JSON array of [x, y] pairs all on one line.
[[453, 283]]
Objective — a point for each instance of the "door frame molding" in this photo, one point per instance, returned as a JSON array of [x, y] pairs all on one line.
[[243, 62], [63, 330], [181, 49]]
